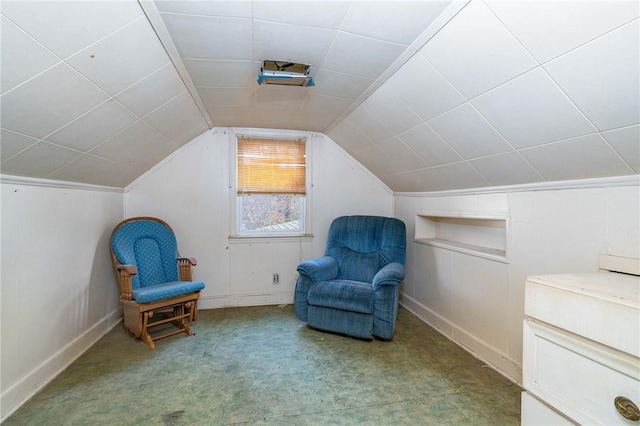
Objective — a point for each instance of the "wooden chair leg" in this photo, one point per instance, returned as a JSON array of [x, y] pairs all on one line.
[[145, 336], [194, 310]]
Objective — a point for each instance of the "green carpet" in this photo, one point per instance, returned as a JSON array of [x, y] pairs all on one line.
[[262, 366]]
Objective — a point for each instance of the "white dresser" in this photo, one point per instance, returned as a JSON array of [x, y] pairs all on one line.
[[581, 354]]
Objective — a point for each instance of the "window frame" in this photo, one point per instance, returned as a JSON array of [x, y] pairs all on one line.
[[235, 232]]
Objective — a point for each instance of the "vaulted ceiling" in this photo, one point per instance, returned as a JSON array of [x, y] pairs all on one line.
[[428, 95]]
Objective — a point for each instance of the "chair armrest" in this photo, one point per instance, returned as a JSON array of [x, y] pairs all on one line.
[[128, 269], [391, 274], [184, 265], [124, 278], [319, 269]]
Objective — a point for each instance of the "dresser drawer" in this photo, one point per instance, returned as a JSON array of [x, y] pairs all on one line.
[[604, 307], [577, 376], [537, 413]]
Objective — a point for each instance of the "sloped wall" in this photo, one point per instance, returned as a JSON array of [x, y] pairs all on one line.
[[191, 191], [478, 302], [59, 292]]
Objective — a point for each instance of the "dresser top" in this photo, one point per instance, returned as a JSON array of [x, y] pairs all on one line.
[[610, 286]]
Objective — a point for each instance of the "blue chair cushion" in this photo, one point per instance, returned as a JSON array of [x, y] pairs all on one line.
[[362, 245], [151, 247], [166, 290], [354, 296]]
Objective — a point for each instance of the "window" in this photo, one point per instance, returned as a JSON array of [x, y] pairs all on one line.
[[271, 184]]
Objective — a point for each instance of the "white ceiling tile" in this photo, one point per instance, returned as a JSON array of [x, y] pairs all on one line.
[[234, 8], [423, 89], [13, 143], [39, 160], [289, 97], [187, 128], [550, 28], [174, 110], [505, 169], [368, 124], [151, 152], [213, 73], [429, 146], [468, 133], [210, 37], [626, 142], [274, 118], [394, 21], [400, 182], [578, 158], [123, 58], [374, 160], [427, 180], [156, 89], [216, 97], [283, 42], [94, 127], [531, 110], [339, 85], [49, 101], [21, 56], [306, 13], [361, 56], [391, 111], [460, 175], [80, 169], [68, 26], [118, 147], [475, 52], [118, 175], [349, 137], [321, 110], [603, 77], [232, 116], [400, 157]]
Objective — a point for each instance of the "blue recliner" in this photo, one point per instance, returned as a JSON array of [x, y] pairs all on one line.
[[354, 288], [154, 280]]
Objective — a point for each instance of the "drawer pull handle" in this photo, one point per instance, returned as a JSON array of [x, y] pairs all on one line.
[[627, 408]]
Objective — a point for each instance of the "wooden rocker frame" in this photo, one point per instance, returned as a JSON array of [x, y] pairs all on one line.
[[176, 310]]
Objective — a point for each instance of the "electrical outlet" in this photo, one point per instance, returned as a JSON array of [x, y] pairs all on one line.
[[276, 278]]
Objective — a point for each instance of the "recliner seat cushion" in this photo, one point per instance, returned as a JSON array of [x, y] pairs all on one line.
[[166, 290], [346, 295]]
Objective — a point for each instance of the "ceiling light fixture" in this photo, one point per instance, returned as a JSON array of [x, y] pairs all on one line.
[[285, 74]]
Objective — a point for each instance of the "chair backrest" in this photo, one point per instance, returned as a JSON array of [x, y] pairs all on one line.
[[150, 245], [362, 245]]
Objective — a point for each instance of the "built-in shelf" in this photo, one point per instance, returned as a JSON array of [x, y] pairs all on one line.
[[483, 236]]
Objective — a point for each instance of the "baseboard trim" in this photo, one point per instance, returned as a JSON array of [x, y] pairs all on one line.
[[476, 347], [15, 396], [237, 300]]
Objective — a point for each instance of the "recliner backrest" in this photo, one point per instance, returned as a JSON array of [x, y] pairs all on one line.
[[362, 245], [151, 247]]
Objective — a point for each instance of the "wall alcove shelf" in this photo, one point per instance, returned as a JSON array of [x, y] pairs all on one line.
[[484, 236]]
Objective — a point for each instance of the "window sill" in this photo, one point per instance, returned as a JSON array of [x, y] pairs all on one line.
[[251, 239]]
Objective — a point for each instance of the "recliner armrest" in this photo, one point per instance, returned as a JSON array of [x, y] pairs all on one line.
[[390, 274], [319, 269]]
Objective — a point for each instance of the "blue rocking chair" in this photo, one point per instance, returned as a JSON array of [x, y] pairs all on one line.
[[154, 280]]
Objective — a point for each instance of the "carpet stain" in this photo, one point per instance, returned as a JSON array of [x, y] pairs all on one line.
[[171, 419]]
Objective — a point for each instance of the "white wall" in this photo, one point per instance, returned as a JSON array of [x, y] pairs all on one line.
[[479, 303], [59, 293], [191, 191]]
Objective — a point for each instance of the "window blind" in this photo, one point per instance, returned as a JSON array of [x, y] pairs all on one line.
[[271, 166]]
